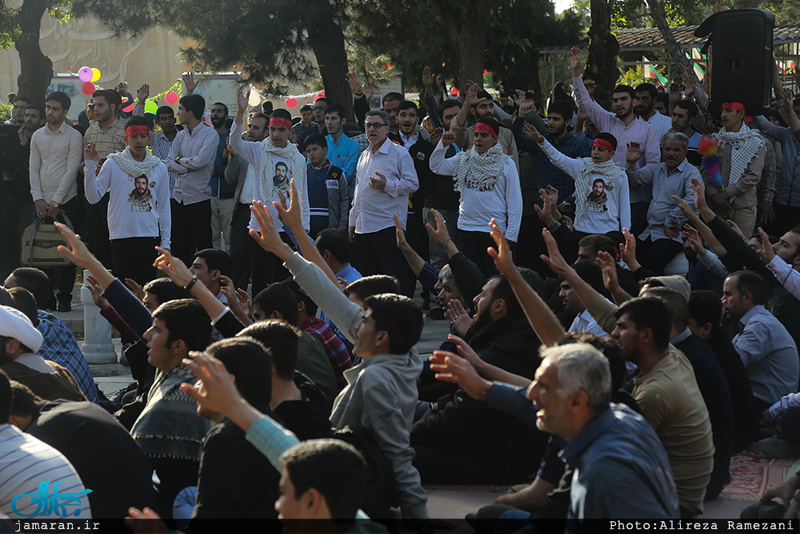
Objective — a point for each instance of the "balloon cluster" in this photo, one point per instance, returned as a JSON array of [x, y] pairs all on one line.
[[88, 76], [707, 147]]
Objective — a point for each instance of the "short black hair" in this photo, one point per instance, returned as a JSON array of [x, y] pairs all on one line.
[[592, 274], [503, 290], [675, 301], [334, 468], [187, 320], [749, 281], [5, 297], [376, 284], [38, 107], [61, 98], [338, 109], [164, 290], [406, 104], [560, 107], [216, 260], [398, 316], [6, 398], [484, 94], [649, 88], [335, 241], [136, 120], [267, 107], [391, 97], [652, 313], [302, 296], [306, 108], [249, 362], [282, 114], [598, 242], [194, 104], [110, 96], [705, 306], [24, 401], [689, 106], [447, 104], [34, 280], [278, 297], [223, 105], [608, 137], [164, 110], [281, 339], [316, 139], [625, 89], [24, 301]]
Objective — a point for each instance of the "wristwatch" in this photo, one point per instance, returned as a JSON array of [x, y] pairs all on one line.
[[178, 160], [56, 205]]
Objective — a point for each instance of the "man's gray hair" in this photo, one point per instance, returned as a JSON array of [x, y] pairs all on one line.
[[582, 367], [675, 137], [446, 272], [380, 113]]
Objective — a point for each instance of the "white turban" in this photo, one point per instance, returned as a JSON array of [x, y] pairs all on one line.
[[16, 325]]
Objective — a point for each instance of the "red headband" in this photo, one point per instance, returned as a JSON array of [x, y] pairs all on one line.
[[733, 105], [485, 128], [136, 129], [280, 122], [602, 143]]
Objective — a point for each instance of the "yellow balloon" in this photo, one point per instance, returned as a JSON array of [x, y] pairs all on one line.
[[95, 74]]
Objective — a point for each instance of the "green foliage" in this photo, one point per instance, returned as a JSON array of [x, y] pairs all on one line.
[[5, 111], [9, 29]]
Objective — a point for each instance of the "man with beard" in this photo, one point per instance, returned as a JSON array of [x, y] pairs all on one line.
[[141, 193], [343, 152], [625, 128], [20, 103], [479, 105], [683, 115], [280, 154], [221, 191], [645, 106], [241, 173], [318, 124], [661, 240]]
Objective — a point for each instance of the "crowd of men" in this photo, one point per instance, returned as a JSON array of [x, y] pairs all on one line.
[[621, 322]]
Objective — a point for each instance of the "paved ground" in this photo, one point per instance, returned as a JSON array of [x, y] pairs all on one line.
[[442, 503]]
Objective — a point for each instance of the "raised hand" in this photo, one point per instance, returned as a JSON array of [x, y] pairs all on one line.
[[400, 234], [472, 94], [245, 301], [427, 79], [459, 317], [242, 99], [436, 135], [700, 200], [267, 235], [609, 267], [767, 252], [135, 288], [634, 152], [189, 82], [531, 131], [369, 89], [79, 253], [452, 368], [143, 93], [693, 239], [215, 389], [354, 82], [97, 292], [440, 233], [553, 259], [575, 61], [627, 250], [519, 97], [173, 267], [502, 254], [448, 138], [735, 227], [90, 152]]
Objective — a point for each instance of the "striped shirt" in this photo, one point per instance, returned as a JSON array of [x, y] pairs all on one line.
[[60, 346], [337, 353], [26, 462], [106, 141]]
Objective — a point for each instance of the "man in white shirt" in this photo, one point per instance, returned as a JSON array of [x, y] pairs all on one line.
[[385, 176], [645, 104], [192, 159], [54, 162]]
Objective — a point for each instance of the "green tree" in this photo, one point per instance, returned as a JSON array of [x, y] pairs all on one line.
[[273, 42]]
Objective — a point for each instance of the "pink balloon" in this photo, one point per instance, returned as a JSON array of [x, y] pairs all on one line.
[[87, 88], [85, 74], [291, 103], [171, 97], [129, 107]]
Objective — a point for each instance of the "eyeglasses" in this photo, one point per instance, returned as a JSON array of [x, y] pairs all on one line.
[[374, 125]]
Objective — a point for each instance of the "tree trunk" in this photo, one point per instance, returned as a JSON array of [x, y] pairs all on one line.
[[660, 19], [36, 69], [601, 61], [466, 27], [327, 42]]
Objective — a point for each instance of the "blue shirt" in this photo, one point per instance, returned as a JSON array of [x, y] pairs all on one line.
[[548, 173], [621, 471], [787, 190], [344, 153], [60, 346], [768, 353]]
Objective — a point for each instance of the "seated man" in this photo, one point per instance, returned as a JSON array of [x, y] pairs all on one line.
[[59, 343], [573, 307], [763, 343], [661, 240], [278, 302], [168, 430], [334, 247], [296, 401], [19, 345], [28, 463], [85, 434]]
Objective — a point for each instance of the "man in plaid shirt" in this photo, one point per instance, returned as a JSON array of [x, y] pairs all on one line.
[[308, 321]]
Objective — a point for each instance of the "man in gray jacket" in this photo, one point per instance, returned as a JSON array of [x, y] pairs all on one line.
[[381, 392]]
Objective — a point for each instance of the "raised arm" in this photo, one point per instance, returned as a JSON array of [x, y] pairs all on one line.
[[414, 260], [544, 322], [438, 163]]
